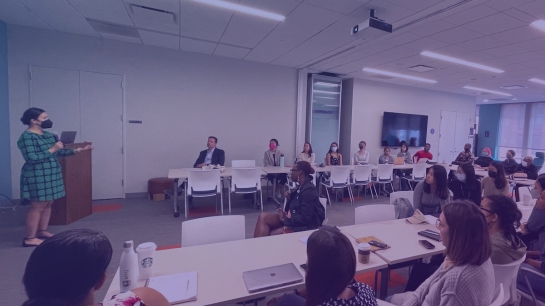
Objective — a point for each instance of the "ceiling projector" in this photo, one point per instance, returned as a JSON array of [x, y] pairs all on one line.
[[371, 28]]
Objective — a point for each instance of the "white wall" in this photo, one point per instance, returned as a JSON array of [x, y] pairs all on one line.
[[372, 99], [181, 97]]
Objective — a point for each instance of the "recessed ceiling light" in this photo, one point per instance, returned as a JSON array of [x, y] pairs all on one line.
[[421, 68], [539, 24], [460, 61], [537, 81], [243, 9], [487, 90], [398, 75]]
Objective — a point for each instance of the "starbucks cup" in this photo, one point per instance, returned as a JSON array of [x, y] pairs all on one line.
[[146, 252]]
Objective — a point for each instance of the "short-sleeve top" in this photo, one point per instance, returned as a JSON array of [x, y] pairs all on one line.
[[364, 296], [124, 299], [41, 176]]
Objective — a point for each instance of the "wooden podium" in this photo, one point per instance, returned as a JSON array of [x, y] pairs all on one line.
[[78, 183]]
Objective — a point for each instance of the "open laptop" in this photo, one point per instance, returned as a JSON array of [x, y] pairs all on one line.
[[399, 161], [422, 161], [68, 137], [271, 277]]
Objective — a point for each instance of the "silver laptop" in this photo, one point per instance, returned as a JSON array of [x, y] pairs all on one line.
[[271, 277], [68, 137]]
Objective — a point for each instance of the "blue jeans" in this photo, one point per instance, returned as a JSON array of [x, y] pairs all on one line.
[[537, 283], [291, 300]]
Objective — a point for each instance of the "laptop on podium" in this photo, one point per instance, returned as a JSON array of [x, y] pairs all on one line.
[[68, 137], [271, 277]]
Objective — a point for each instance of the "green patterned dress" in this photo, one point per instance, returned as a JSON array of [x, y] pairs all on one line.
[[41, 176]]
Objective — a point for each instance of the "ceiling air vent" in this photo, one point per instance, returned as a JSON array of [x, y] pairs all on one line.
[[153, 14], [512, 87], [421, 68], [109, 28]]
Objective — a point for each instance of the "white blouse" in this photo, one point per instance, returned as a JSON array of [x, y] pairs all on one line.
[[361, 159], [304, 156]]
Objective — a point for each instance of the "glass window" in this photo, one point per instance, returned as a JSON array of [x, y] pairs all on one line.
[[512, 125], [536, 133]]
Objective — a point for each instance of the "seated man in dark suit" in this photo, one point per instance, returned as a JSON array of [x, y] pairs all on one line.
[[527, 167], [210, 156]]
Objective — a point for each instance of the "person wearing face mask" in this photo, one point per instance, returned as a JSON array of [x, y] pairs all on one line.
[[527, 167], [465, 157], [41, 176], [386, 158], [333, 157], [509, 163], [466, 186], [361, 157], [495, 182], [484, 160], [539, 186]]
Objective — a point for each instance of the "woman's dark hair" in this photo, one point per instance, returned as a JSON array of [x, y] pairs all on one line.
[[512, 153], [333, 143], [441, 184], [62, 270], [275, 141], [309, 148], [365, 143], [305, 167], [403, 143], [469, 242], [471, 178], [31, 113], [500, 181], [509, 214], [331, 265], [386, 148]]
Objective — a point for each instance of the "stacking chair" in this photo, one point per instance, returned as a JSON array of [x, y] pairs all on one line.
[[384, 176], [499, 297], [339, 179], [374, 213], [507, 275], [532, 296], [246, 181], [419, 174], [323, 201], [204, 183], [213, 230], [362, 177]]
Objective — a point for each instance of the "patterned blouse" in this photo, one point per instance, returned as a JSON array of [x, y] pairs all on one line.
[[464, 157], [334, 161], [364, 296], [124, 299]]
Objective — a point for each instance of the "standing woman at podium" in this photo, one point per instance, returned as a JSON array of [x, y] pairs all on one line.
[[41, 177]]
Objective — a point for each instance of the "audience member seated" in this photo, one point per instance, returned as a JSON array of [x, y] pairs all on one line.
[[527, 167], [386, 158], [431, 194], [535, 258], [404, 173], [69, 267], [307, 154], [465, 157], [333, 157], [303, 210], [424, 153], [466, 186], [503, 218], [539, 186], [509, 163], [495, 182], [465, 276], [329, 279], [361, 157], [271, 158], [210, 156], [484, 160]]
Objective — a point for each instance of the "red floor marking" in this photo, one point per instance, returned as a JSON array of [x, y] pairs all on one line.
[[106, 207]]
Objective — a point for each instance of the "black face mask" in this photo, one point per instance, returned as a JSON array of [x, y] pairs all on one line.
[[492, 173], [361, 147], [46, 124]]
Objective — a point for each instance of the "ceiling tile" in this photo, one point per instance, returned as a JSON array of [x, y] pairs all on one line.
[[282, 7], [519, 34], [13, 12], [502, 5], [520, 15], [453, 50], [387, 11], [150, 24], [194, 45], [425, 43], [203, 21], [493, 24], [477, 56], [416, 5], [391, 41], [112, 11], [524, 57], [129, 39], [504, 51], [159, 39], [313, 15], [345, 24], [535, 8], [61, 16], [341, 6], [481, 43], [535, 64], [231, 51], [246, 30], [472, 14], [432, 28], [533, 45], [455, 35]]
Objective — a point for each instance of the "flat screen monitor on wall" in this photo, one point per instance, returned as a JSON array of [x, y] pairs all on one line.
[[398, 127]]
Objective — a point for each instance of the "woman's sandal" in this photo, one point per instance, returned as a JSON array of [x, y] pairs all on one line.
[[43, 237], [25, 244]]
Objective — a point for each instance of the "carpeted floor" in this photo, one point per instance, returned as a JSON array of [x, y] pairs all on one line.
[[142, 220]]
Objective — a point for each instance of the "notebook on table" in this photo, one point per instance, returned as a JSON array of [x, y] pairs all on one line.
[[271, 277], [177, 288]]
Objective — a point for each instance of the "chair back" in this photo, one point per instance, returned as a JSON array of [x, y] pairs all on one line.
[[419, 171], [539, 160], [498, 298], [243, 163], [323, 201], [362, 173], [203, 180], [245, 178], [385, 172], [400, 195], [524, 190], [374, 213], [213, 230], [340, 174], [526, 291], [507, 275]]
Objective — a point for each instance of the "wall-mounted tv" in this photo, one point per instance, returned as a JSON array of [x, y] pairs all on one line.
[[397, 127]]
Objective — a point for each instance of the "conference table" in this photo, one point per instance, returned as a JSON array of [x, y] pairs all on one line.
[[220, 266]]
